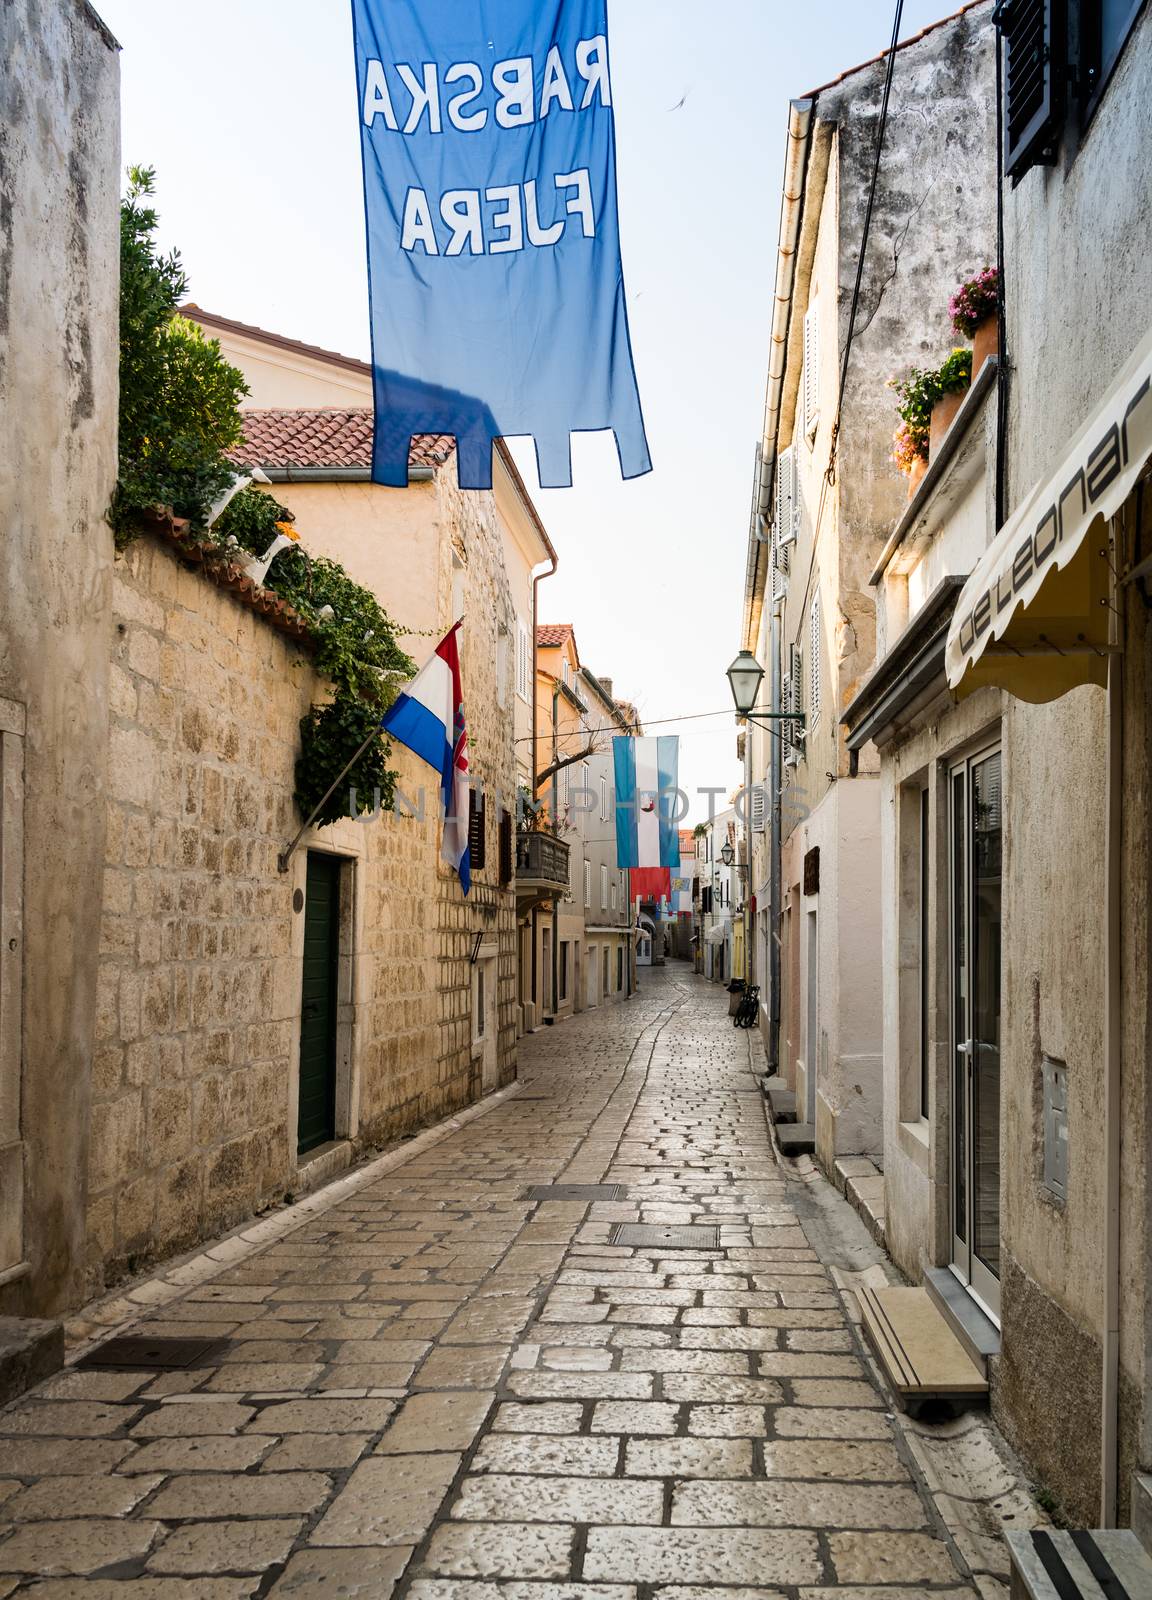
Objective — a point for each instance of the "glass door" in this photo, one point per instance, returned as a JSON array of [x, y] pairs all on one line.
[[976, 847]]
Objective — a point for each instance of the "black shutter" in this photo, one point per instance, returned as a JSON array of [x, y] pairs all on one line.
[[476, 830], [505, 847], [1035, 70]]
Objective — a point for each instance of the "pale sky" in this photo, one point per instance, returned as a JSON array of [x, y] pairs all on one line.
[[247, 109]]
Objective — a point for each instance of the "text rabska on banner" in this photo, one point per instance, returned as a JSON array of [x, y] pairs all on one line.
[[502, 217], [496, 289]]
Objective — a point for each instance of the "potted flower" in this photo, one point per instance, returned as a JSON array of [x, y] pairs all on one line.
[[910, 453], [911, 439], [951, 383], [975, 313]]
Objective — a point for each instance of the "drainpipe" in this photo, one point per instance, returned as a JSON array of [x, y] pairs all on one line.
[[775, 777], [1110, 1386], [536, 581], [801, 116], [555, 817]]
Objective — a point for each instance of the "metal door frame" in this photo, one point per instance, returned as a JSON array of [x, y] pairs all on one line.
[[978, 1278]]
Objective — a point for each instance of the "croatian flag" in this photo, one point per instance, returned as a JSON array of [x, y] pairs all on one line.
[[428, 717], [647, 837]]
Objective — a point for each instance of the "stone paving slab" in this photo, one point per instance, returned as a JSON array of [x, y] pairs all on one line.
[[437, 1386]]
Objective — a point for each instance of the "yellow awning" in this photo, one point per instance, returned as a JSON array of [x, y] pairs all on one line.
[[1033, 617]]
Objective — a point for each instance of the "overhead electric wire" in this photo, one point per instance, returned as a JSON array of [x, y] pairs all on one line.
[[647, 722]]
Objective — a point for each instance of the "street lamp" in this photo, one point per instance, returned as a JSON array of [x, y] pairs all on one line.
[[727, 855], [745, 676]]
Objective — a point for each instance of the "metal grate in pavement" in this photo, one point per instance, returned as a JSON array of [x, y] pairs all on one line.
[[586, 1192], [641, 1235], [150, 1355]]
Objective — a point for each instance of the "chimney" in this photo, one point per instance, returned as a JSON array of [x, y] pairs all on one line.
[[606, 685]]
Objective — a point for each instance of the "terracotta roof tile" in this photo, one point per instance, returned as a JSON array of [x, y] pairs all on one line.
[[553, 633], [297, 438], [913, 38]]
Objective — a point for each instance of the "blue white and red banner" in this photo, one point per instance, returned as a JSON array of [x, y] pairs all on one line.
[[428, 717], [647, 774], [497, 296]]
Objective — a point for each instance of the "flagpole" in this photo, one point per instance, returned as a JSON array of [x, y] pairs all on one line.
[[285, 856]]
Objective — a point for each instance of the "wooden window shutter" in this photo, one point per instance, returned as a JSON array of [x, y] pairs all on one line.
[[811, 372], [759, 808], [786, 725], [506, 856], [814, 655], [785, 499], [796, 679], [1034, 77], [476, 829]]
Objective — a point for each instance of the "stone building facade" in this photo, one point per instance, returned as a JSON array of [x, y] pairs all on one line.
[[826, 497], [197, 1071], [198, 1025], [59, 274]]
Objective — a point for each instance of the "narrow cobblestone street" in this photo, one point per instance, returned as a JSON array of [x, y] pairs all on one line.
[[439, 1383]]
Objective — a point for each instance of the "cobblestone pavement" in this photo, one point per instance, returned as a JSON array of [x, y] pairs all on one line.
[[438, 1384]]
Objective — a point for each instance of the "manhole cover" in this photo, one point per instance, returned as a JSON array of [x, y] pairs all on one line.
[[584, 1192], [143, 1354], [640, 1235]]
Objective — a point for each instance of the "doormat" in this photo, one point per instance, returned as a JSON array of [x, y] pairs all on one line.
[[141, 1354], [584, 1192], [644, 1235]]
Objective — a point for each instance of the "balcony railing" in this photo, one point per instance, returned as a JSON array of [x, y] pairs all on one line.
[[541, 860]]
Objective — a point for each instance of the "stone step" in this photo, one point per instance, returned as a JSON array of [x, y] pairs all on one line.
[[1054, 1564], [921, 1356], [30, 1351], [861, 1183], [783, 1105], [796, 1138], [976, 1332]]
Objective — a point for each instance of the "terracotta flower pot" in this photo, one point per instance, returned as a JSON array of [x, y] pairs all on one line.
[[943, 412], [916, 475], [985, 342]]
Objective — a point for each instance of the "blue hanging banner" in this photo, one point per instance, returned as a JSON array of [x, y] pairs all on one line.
[[493, 233]]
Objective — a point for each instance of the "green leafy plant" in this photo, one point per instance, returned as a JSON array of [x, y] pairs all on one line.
[[330, 736], [180, 427], [355, 647], [179, 398], [922, 389]]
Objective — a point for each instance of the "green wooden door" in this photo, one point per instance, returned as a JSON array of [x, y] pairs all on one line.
[[316, 1120]]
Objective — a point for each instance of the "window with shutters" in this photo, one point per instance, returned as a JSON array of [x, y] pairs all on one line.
[[810, 381], [758, 807], [796, 676], [523, 660], [780, 570], [1102, 28], [507, 859], [1035, 70], [603, 887], [613, 886], [603, 799], [588, 883], [476, 829], [815, 655], [786, 725], [785, 499]]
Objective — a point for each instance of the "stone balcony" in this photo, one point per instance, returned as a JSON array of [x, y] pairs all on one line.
[[541, 869]]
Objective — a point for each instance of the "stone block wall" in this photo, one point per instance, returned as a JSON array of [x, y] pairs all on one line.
[[197, 1029]]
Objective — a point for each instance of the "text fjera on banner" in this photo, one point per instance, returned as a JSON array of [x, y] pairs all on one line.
[[493, 236]]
